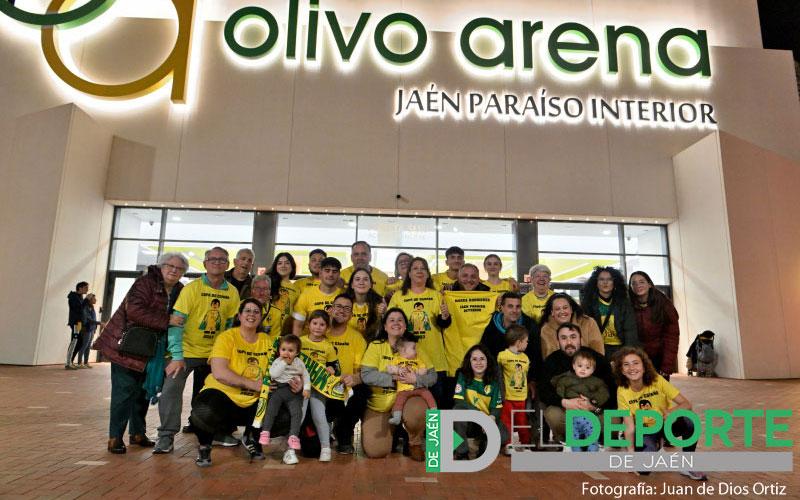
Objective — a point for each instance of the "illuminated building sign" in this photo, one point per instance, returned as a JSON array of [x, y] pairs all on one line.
[[570, 48]]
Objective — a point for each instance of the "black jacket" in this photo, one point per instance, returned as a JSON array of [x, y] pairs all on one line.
[[494, 338], [75, 303], [558, 363], [624, 319], [243, 287]]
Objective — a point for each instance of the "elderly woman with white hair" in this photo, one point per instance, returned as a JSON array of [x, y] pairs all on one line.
[[147, 304], [534, 301]]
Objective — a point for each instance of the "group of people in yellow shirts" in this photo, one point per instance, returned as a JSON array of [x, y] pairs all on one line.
[[373, 348]]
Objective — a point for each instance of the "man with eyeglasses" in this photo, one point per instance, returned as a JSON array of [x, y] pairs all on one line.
[[361, 256], [271, 315], [239, 274], [205, 308], [350, 346]]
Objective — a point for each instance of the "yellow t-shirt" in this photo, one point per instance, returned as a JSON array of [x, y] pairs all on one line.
[[313, 299], [303, 283], [515, 374], [379, 279], [272, 321], [441, 281], [657, 396], [503, 286], [245, 359], [412, 364], [322, 352], [421, 311], [610, 335], [350, 347], [207, 312], [397, 285], [533, 306], [471, 312], [379, 355], [287, 296], [360, 315]]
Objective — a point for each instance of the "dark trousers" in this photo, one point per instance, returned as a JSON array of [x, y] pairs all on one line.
[[128, 402], [213, 412], [443, 390], [681, 428], [469, 429], [346, 416]]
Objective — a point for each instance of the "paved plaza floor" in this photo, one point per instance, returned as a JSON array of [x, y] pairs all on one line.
[[54, 425]]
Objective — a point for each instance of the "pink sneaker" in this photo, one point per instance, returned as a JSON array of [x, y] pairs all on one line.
[[294, 442], [264, 438]]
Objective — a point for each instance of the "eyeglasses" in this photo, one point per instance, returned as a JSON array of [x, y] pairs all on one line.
[[170, 267], [338, 307], [217, 260]]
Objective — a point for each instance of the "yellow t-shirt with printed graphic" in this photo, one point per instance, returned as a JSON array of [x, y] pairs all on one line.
[[322, 351], [503, 286], [441, 281], [307, 282], [657, 396], [533, 306], [358, 320], [313, 299], [515, 374], [421, 310], [379, 279], [350, 347], [272, 321], [245, 359], [413, 365], [379, 355], [610, 334], [207, 311], [287, 297]]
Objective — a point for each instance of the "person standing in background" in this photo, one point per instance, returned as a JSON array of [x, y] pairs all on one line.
[[74, 321]]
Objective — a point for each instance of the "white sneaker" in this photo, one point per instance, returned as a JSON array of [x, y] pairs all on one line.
[[508, 450], [290, 457], [325, 455]]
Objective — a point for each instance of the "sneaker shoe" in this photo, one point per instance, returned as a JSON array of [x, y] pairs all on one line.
[[225, 440], [70, 367], [325, 455], [79, 366], [203, 456], [509, 449], [696, 475], [345, 449], [163, 446], [264, 438], [253, 447], [188, 429], [87, 365], [293, 442], [290, 457]]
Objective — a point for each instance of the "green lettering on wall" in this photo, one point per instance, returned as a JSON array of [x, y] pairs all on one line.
[[590, 45], [504, 29], [409, 21]]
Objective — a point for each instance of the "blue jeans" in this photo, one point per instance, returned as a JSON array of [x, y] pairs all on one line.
[[582, 428]]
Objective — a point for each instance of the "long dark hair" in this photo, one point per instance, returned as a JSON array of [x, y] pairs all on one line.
[[276, 278], [373, 299], [656, 300], [648, 377], [489, 376], [381, 335], [407, 281], [590, 295], [577, 310]]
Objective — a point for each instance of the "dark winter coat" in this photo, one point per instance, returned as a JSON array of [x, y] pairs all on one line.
[[147, 304]]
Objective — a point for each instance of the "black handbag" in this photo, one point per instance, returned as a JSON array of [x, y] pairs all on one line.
[[138, 340]]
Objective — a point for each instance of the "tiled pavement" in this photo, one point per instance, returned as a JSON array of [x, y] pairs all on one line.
[[53, 428]]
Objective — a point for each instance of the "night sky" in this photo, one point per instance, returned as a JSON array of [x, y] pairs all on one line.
[[780, 25]]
